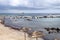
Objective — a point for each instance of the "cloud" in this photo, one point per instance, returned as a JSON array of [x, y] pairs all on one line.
[[30, 11], [27, 6], [3, 2], [51, 4], [20, 3]]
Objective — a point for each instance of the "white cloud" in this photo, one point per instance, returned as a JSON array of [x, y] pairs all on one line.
[[14, 2], [50, 5], [32, 3], [19, 2], [4, 2]]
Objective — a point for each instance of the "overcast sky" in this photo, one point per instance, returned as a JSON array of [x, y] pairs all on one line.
[[38, 6]]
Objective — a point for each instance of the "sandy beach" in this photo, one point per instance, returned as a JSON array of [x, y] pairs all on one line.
[[7, 33]]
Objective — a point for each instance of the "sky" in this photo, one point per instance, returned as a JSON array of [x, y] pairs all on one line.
[[30, 6]]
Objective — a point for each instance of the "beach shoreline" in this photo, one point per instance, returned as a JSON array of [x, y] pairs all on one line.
[[7, 33]]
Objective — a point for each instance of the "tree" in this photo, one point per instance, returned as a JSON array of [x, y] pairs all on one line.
[[37, 34]]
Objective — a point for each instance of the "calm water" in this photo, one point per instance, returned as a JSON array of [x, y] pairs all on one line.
[[36, 24]]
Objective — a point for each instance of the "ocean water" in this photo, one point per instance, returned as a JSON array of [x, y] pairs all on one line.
[[36, 24], [42, 22], [30, 14]]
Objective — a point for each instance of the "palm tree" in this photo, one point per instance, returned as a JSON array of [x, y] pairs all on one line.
[[25, 30], [37, 34]]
